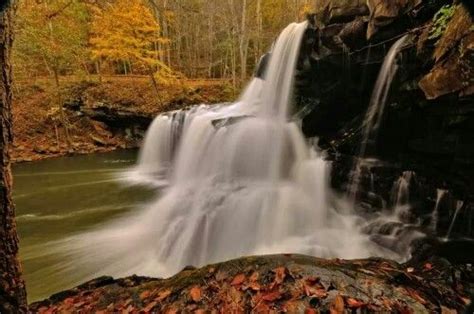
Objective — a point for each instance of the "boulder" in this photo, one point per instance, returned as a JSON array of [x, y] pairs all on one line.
[[334, 11], [452, 74], [458, 27], [384, 12]]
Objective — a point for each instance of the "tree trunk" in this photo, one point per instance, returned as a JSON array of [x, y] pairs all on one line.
[[243, 43], [155, 84], [12, 288]]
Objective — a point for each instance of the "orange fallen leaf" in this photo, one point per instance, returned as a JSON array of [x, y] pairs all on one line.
[[254, 277], [353, 303], [163, 295], [195, 293], [337, 306], [310, 311], [255, 286], [150, 307], [271, 296], [145, 295], [238, 280], [416, 296], [69, 301], [280, 274]]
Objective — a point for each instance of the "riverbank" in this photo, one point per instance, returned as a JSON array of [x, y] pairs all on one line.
[[99, 115], [276, 283]]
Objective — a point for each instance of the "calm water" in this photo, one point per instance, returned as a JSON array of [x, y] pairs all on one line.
[[60, 197]]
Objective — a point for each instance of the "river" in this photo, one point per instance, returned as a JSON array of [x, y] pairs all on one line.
[[60, 197]]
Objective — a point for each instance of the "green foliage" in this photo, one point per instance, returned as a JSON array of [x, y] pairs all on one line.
[[441, 20], [51, 36]]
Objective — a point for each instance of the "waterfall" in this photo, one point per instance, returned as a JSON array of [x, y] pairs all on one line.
[[401, 194], [459, 206], [440, 195], [240, 180], [374, 115]]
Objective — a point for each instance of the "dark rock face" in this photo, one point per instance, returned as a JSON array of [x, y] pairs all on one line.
[[428, 126]]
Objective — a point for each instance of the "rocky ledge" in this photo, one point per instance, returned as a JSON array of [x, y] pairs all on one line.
[[279, 283]]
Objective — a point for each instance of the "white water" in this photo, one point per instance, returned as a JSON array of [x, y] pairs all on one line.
[[375, 113], [401, 194], [240, 180], [440, 195], [459, 206]]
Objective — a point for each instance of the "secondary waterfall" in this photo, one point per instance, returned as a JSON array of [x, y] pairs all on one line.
[[375, 113], [240, 180]]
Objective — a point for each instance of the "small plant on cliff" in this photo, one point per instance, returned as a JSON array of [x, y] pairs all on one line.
[[441, 20]]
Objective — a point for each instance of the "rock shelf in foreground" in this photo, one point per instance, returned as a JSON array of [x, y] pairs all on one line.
[[275, 284]]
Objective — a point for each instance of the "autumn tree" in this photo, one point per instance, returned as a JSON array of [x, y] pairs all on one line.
[[12, 289], [52, 39], [128, 32]]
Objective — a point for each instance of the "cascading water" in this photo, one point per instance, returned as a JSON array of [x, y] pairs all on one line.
[[401, 194], [241, 180], [374, 115], [440, 195], [459, 206]]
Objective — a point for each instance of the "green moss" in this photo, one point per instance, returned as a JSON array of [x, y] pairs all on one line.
[[441, 20]]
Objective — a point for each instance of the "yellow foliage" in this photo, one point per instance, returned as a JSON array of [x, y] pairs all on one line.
[[127, 30]]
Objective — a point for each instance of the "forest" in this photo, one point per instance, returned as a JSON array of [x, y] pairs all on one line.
[[237, 156]]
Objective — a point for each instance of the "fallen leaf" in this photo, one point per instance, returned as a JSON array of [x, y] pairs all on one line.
[[163, 295], [310, 311], [255, 286], [254, 276], [416, 296], [69, 301], [259, 308], [337, 306], [466, 301], [238, 280], [445, 310], [271, 296], [428, 266], [221, 275], [196, 293], [150, 307], [353, 303], [318, 292], [280, 274], [172, 311], [199, 311], [145, 295]]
